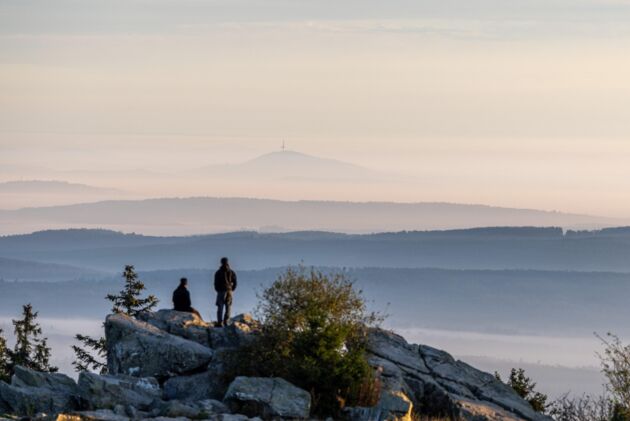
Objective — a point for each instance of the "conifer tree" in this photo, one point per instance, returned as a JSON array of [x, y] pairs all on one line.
[[4, 359], [91, 355], [31, 350], [87, 360], [128, 300]]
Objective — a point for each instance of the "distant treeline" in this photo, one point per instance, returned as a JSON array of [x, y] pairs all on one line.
[[482, 248]]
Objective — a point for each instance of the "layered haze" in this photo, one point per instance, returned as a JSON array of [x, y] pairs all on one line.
[[465, 162], [514, 103]]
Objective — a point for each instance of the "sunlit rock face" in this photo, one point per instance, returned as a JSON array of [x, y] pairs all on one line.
[[168, 364]]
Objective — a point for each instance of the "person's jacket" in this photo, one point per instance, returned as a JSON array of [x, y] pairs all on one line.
[[181, 299], [224, 280]]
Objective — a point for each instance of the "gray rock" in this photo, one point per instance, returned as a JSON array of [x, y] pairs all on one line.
[[177, 409], [166, 419], [193, 410], [206, 385], [268, 398], [434, 381], [232, 417], [25, 377], [28, 401], [213, 406], [185, 325], [105, 392], [236, 334], [140, 349], [391, 407]]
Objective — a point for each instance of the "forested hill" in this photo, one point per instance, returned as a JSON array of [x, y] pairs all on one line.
[[482, 248], [185, 216]]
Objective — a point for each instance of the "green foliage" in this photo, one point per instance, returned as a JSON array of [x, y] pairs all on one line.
[[4, 359], [31, 350], [524, 387], [314, 334], [128, 300], [620, 412], [616, 367], [91, 355]]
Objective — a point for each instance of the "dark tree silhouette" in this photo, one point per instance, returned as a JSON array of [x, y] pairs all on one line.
[[4, 359], [31, 350], [92, 354], [524, 387], [128, 300]]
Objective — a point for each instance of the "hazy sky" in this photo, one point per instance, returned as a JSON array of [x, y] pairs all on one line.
[[508, 102]]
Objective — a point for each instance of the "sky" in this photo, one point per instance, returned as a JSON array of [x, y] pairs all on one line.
[[522, 103]]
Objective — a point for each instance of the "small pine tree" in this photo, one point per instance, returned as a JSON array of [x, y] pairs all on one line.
[[91, 355], [128, 300], [4, 359], [30, 350], [524, 387]]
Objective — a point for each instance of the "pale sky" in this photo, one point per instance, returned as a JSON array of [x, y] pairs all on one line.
[[520, 103]]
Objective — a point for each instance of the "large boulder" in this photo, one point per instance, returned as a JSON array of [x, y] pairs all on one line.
[[206, 385], [32, 392], [440, 385], [268, 398], [187, 325], [140, 349], [28, 401], [193, 410], [107, 392], [237, 333], [25, 377]]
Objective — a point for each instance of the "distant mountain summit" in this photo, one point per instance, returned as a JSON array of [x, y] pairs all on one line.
[[292, 165]]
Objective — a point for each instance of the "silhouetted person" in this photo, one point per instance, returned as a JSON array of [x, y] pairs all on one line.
[[181, 298], [224, 284]]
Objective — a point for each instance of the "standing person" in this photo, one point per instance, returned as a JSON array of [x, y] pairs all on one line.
[[224, 284], [181, 298]]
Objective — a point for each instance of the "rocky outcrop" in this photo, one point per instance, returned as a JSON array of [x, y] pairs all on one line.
[[268, 398], [138, 348], [106, 392], [437, 384], [168, 365], [186, 325]]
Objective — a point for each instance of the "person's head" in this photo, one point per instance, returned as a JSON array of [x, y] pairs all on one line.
[[183, 282], [224, 262]]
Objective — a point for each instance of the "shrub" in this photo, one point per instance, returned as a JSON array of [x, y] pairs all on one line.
[[616, 367], [583, 408], [314, 334]]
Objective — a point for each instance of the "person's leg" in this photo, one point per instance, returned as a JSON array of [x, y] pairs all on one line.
[[195, 312], [228, 308], [220, 304]]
